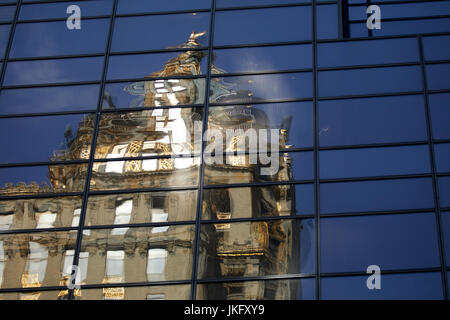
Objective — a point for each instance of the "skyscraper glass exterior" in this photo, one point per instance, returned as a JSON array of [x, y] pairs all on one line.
[[104, 121]]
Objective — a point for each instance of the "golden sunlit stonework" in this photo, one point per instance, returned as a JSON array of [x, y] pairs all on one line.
[[158, 253]]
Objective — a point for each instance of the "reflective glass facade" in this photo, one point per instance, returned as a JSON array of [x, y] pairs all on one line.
[[103, 132]]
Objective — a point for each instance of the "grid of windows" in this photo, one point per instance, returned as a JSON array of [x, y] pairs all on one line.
[[87, 177]]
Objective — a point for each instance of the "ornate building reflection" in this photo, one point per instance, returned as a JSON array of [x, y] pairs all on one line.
[[159, 253]]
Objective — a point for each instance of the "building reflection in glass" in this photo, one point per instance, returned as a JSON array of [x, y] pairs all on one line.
[[159, 253]]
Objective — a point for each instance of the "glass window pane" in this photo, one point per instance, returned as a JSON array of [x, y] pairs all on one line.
[[440, 113], [241, 3], [283, 200], [372, 120], [42, 179], [124, 254], [293, 119], [282, 167], [54, 38], [436, 48], [39, 213], [172, 292], [59, 10], [147, 65], [445, 219], [407, 27], [351, 244], [327, 22], [263, 58], [4, 35], [374, 162], [437, 76], [36, 259], [442, 156], [368, 81], [149, 133], [351, 53], [126, 28], [52, 138], [7, 13], [410, 286], [52, 71], [262, 25], [49, 99], [272, 248], [141, 207], [170, 92], [133, 6], [257, 88], [404, 10], [297, 289], [444, 191], [148, 173], [396, 194]]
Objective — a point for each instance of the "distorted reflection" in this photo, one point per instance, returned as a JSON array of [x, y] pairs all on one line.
[[142, 207], [169, 292], [164, 252], [39, 213], [35, 260], [245, 249], [138, 255]]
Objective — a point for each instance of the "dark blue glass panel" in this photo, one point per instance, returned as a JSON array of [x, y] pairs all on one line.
[[4, 35], [142, 65], [327, 22], [33, 180], [444, 191], [241, 3], [52, 71], [352, 53], [437, 76], [410, 27], [245, 89], [368, 81], [132, 94], [440, 113], [263, 58], [374, 162], [372, 120], [442, 155], [49, 99], [436, 48], [262, 25], [304, 198], [404, 10], [7, 13], [54, 38], [398, 241], [45, 138], [445, 224], [133, 6], [296, 117], [158, 32], [302, 165], [59, 10], [398, 194], [411, 286]]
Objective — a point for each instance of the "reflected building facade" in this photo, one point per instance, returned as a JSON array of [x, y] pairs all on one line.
[[163, 252]]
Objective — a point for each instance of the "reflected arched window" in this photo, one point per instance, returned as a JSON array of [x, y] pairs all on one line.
[[124, 208], [114, 266]]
